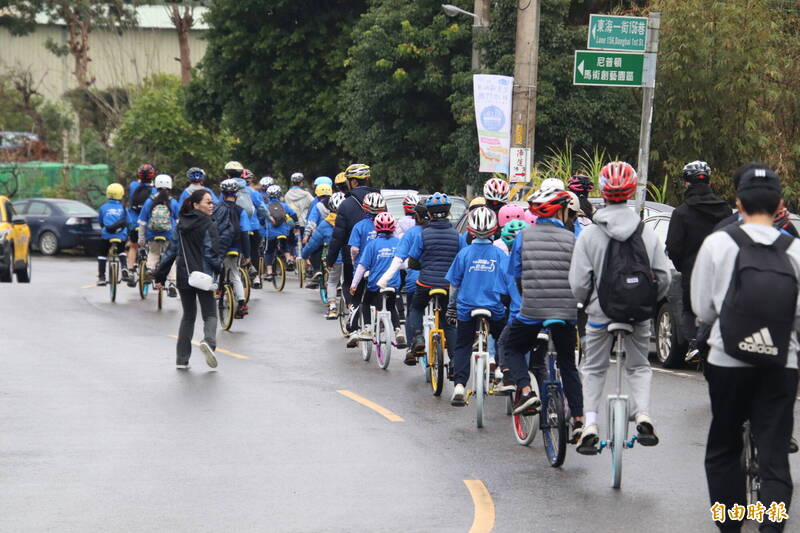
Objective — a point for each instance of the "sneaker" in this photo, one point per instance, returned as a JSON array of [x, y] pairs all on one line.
[[316, 276], [211, 361], [268, 278], [692, 352], [172, 291], [527, 404], [353, 342], [290, 266], [241, 310], [126, 275], [587, 445], [459, 393], [507, 386], [333, 313], [365, 334], [148, 276], [257, 284], [399, 338], [411, 358], [419, 345], [577, 429], [101, 282], [182, 367], [312, 285], [647, 433]]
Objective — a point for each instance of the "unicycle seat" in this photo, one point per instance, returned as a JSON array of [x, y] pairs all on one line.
[[553, 322], [388, 290], [480, 313], [622, 327]]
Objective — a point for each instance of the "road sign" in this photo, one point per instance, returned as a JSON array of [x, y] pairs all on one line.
[[520, 163], [612, 32], [615, 69]]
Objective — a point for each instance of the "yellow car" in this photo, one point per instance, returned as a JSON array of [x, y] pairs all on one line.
[[15, 239]]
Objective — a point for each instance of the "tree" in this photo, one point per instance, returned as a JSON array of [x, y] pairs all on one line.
[[19, 18], [156, 130], [273, 71], [182, 17]]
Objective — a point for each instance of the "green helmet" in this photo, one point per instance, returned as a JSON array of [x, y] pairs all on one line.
[[510, 230]]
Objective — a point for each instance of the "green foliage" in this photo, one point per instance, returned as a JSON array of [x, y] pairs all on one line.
[[562, 163], [272, 72], [395, 112], [19, 18], [156, 130]]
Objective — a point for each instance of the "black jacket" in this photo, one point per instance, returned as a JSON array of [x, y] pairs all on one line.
[[349, 214], [199, 235], [691, 223]]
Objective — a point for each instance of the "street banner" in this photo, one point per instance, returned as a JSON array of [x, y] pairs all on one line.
[[493, 118]]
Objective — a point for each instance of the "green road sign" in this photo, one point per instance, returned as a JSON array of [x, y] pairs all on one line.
[[616, 69], [612, 32]]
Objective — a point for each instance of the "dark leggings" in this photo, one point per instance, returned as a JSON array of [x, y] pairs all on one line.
[[208, 310], [374, 298], [255, 244]]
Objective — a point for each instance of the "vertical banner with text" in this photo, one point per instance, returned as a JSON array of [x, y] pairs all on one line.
[[493, 118]]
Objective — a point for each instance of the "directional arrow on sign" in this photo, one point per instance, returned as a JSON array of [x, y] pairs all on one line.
[[594, 32], [580, 68]]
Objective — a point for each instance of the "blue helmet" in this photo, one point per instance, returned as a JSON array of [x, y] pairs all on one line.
[[323, 180], [196, 174], [438, 205]]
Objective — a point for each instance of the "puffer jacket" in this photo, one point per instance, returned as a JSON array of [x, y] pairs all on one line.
[[198, 233], [440, 245], [546, 254]]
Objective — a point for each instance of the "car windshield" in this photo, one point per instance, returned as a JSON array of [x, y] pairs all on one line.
[[73, 208]]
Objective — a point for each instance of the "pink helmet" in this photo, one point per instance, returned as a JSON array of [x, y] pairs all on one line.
[[529, 217], [385, 222], [510, 212]]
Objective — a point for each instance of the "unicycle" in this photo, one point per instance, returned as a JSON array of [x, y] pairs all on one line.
[[555, 416]]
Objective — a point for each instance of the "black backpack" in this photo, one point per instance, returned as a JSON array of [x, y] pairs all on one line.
[[277, 214], [758, 312], [140, 196], [627, 291], [226, 218]]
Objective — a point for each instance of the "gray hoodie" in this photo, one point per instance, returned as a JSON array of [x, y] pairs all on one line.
[[618, 222], [711, 277], [299, 200]]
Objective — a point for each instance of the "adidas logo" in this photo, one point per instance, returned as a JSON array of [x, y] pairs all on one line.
[[759, 342]]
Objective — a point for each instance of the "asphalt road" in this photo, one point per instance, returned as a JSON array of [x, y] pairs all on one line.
[[101, 433]]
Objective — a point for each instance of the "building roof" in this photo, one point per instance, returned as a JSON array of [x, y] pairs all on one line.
[[156, 17]]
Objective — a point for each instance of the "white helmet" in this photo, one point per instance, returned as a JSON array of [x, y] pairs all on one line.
[[574, 204], [163, 181], [552, 183], [266, 181], [496, 190], [482, 222], [297, 177], [335, 201], [374, 203], [274, 191]]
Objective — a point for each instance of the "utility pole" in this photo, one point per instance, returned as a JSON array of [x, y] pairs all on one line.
[[480, 25], [526, 75], [648, 92]]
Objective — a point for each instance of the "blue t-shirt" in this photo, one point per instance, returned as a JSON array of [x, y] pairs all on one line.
[[147, 211], [186, 193], [408, 241], [363, 232], [376, 257], [475, 270], [110, 213], [505, 284]]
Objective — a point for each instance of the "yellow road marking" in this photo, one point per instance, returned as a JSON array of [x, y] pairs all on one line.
[[372, 405], [219, 350], [89, 286], [483, 518]]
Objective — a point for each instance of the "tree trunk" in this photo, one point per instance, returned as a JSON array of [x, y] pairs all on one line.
[[183, 23], [78, 42]]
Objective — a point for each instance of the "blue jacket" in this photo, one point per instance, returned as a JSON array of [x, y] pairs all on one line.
[[144, 218], [476, 270], [436, 251], [376, 257], [322, 236], [233, 226], [111, 212], [272, 232], [190, 189]]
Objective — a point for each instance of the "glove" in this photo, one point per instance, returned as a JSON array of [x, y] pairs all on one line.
[[451, 316], [383, 282]]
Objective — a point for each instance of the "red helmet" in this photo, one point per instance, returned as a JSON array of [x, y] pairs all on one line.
[[618, 181], [547, 202], [385, 222], [410, 203], [580, 184], [146, 172], [781, 219]]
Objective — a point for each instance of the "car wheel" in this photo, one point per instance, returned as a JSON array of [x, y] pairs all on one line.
[[48, 243], [8, 271], [669, 350], [24, 273]]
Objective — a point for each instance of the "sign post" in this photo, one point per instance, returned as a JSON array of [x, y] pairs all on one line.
[[648, 93]]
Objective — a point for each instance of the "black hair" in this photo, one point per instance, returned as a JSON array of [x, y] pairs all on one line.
[[195, 198], [742, 170], [162, 198], [386, 234], [759, 201]]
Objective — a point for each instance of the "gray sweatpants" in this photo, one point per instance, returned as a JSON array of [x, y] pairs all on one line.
[[638, 374], [231, 262], [334, 277]]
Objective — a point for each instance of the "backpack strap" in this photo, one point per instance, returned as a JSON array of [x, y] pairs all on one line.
[[739, 236], [783, 242]]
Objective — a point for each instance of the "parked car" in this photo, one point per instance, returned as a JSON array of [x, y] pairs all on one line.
[[650, 208], [11, 140], [58, 224], [394, 204], [15, 239]]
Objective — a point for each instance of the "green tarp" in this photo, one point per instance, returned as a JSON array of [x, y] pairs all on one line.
[[86, 183]]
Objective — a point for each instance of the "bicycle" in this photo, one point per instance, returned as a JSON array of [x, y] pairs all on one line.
[[113, 268], [279, 264], [245, 276], [323, 280], [525, 426], [750, 464], [435, 341], [554, 423], [300, 265], [226, 304], [381, 332], [479, 367], [145, 280], [343, 313]]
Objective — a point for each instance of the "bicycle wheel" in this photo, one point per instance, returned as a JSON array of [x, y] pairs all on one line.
[[278, 273], [300, 266], [509, 405], [618, 421], [525, 427], [750, 464], [437, 363], [366, 345], [323, 286], [554, 427], [227, 307], [160, 298], [113, 279], [262, 267], [480, 391], [383, 335], [341, 311], [144, 285], [245, 283]]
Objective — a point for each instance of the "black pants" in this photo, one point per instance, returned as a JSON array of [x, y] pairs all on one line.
[[208, 310], [347, 276], [374, 298], [465, 336], [766, 398], [255, 245]]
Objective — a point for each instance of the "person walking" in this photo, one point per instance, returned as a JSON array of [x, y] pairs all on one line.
[[195, 246]]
